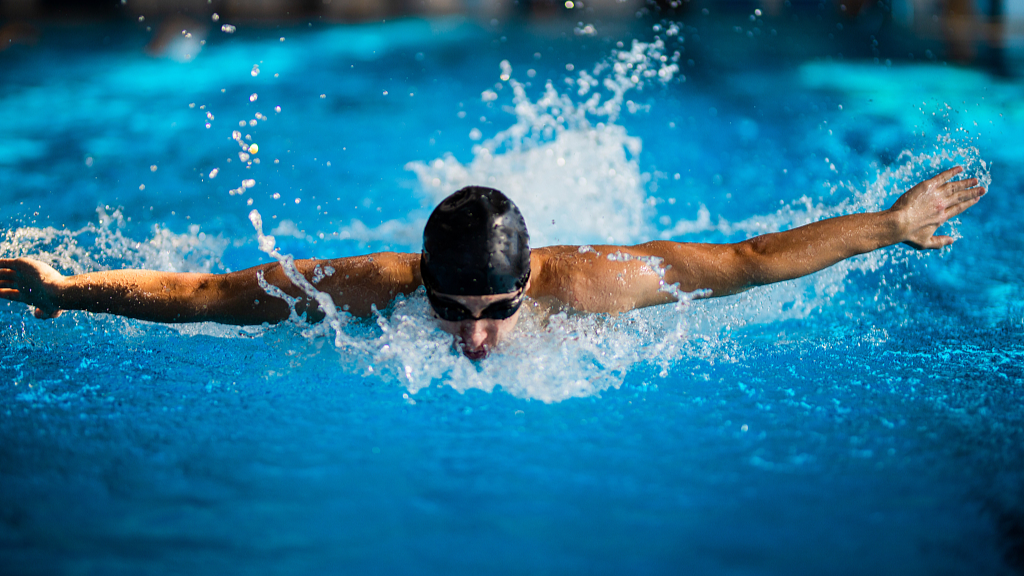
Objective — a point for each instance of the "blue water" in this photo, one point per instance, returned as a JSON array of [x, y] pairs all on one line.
[[864, 420]]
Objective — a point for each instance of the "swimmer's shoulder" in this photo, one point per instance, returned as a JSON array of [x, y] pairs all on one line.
[[396, 271], [555, 272]]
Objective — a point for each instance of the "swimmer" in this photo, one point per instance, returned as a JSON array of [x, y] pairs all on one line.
[[478, 269]]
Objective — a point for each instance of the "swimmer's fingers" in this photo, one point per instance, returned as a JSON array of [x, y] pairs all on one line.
[[937, 242], [931, 243], [945, 176], [7, 275], [39, 312], [30, 282], [964, 200], [956, 186], [9, 285], [43, 314], [10, 293]]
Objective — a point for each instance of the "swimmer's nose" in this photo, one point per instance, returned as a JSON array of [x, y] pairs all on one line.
[[474, 337]]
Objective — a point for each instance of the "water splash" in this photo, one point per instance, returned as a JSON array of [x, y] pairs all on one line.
[[561, 156], [104, 246], [567, 161]]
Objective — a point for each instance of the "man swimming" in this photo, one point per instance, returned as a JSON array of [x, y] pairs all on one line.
[[477, 268]]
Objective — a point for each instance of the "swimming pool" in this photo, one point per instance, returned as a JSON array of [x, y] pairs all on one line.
[[867, 418]]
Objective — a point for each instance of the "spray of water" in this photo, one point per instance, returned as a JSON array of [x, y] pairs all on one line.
[[564, 154], [565, 159]]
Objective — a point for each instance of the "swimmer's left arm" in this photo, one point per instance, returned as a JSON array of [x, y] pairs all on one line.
[[619, 278]]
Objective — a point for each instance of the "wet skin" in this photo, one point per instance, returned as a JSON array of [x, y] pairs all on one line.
[[582, 280]]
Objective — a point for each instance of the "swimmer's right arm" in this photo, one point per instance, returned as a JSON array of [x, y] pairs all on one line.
[[355, 284]]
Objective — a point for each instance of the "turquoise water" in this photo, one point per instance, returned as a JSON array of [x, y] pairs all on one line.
[[865, 419]]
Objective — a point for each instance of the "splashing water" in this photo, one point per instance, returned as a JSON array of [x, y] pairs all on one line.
[[103, 246], [565, 160], [561, 156]]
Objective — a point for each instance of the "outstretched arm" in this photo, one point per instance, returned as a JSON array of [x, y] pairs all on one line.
[[355, 284], [590, 281]]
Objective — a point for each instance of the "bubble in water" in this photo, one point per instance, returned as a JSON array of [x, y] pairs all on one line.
[[253, 96], [227, 29]]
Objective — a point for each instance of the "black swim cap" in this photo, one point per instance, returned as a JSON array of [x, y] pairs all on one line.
[[475, 243]]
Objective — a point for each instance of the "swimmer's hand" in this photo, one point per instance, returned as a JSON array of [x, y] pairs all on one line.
[[33, 283], [925, 207]]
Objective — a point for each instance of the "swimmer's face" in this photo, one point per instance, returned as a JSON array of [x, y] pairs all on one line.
[[477, 335]]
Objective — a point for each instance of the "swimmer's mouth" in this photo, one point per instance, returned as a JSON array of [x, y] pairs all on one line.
[[477, 354]]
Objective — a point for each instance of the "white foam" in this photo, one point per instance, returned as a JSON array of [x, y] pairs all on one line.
[[102, 246], [569, 167], [565, 159]]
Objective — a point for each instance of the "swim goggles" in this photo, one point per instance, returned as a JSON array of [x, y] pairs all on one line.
[[452, 311]]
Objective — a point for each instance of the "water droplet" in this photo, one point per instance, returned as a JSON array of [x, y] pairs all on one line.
[[253, 96], [227, 29], [152, 168], [215, 17], [254, 149]]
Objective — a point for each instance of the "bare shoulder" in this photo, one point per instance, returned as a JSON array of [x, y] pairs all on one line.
[[385, 269], [594, 278], [554, 268], [614, 279]]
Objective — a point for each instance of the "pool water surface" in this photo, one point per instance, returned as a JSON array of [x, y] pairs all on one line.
[[866, 419]]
